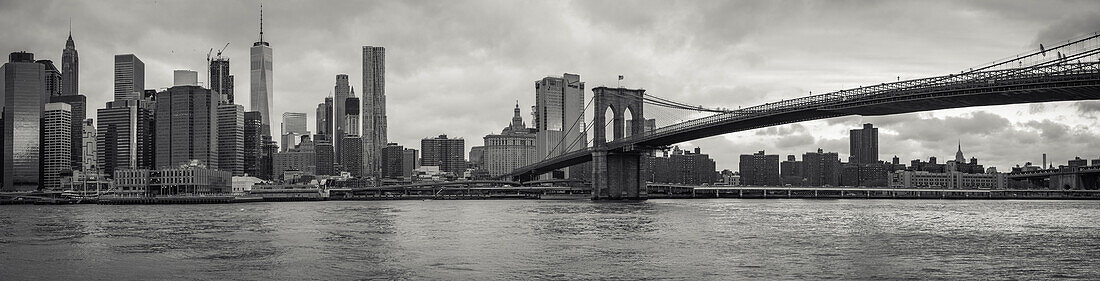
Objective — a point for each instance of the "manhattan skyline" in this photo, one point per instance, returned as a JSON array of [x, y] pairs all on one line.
[[458, 68]]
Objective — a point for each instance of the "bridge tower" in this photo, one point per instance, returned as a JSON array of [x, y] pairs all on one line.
[[617, 171]]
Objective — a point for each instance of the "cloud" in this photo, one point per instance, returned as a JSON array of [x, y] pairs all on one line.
[[783, 130], [1049, 130], [1071, 26], [1087, 107], [794, 141], [459, 67]]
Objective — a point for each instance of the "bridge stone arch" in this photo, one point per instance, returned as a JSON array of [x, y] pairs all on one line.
[[617, 174], [619, 100]]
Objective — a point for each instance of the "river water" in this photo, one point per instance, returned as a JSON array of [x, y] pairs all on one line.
[[719, 239]]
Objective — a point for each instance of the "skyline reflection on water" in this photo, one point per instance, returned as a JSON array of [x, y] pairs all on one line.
[[523, 239]]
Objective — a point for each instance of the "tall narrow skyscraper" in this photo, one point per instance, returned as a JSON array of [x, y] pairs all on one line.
[[351, 115], [324, 119], [559, 104], [220, 80], [88, 148], [253, 143], [129, 77], [52, 78], [339, 130], [70, 68], [56, 143], [21, 95], [261, 78], [79, 105], [864, 145], [231, 138], [374, 109]]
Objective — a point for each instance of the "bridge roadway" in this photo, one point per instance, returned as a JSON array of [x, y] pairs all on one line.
[[1059, 82]]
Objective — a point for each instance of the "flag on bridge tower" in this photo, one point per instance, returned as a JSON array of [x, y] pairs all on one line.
[[619, 83]]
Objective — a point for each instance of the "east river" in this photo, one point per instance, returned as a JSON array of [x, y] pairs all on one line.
[[719, 239]]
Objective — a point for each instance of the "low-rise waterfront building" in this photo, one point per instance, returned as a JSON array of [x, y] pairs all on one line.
[[189, 179], [950, 180]]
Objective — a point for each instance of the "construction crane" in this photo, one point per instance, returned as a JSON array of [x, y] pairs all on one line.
[[223, 49]]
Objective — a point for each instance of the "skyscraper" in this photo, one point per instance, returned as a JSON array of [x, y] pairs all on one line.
[[129, 77], [339, 126], [22, 91], [261, 78], [352, 155], [220, 80], [79, 105], [253, 142], [864, 145], [88, 149], [70, 68], [56, 144], [52, 78], [374, 109], [124, 138], [293, 127], [447, 153], [267, 158], [351, 115], [187, 127], [324, 119], [323, 155], [230, 138], [559, 106]]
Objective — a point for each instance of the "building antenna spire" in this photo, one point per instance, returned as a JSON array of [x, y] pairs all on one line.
[[70, 27], [261, 22]]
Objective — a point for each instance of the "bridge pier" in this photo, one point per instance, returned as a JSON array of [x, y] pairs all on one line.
[[617, 170], [617, 176]]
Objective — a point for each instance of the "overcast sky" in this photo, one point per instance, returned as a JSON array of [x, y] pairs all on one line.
[[459, 67]]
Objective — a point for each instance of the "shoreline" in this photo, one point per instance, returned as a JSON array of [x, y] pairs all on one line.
[[681, 193]]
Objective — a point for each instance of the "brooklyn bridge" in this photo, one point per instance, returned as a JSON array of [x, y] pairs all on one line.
[[1065, 72]]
